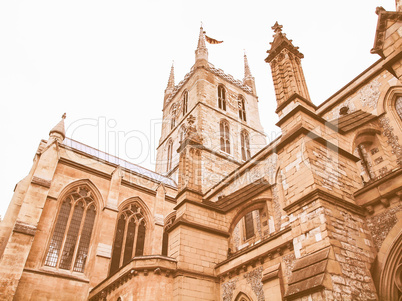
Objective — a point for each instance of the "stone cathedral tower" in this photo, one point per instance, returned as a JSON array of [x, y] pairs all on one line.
[[225, 113], [314, 215]]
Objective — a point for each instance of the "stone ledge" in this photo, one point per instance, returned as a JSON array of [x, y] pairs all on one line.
[[24, 228], [41, 182]]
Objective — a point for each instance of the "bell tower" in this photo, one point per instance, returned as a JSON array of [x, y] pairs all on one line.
[[225, 113]]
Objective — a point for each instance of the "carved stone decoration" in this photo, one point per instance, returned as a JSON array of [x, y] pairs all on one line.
[[370, 94], [388, 131], [381, 224], [335, 112], [277, 207], [228, 289], [289, 261], [254, 278]]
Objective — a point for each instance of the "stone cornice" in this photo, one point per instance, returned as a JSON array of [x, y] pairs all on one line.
[[300, 108], [181, 221], [57, 274], [293, 97], [319, 194]]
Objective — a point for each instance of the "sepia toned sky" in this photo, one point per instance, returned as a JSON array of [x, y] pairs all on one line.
[[106, 64]]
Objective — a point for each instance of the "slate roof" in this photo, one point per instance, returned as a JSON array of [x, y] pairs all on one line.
[[353, 120], [123, 163]]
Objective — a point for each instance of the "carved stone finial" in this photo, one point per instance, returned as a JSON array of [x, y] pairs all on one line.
[[64, 116], [277, 28]]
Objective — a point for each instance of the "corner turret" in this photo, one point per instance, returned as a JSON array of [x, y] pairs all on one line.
[[170, 85], [201, 53], [248, 78], [58, 132], [287, 73]]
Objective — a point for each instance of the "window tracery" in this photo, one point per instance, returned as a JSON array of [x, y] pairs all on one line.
[[73, 231], [130, 236]]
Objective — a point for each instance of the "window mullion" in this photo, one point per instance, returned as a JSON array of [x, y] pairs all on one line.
[[137, 224], [66, 231], [123, 244], [77, 243]]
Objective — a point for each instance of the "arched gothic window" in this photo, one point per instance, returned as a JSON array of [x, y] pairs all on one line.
[[129, 239], [221, 98], [242, 108], [224, 134], [185, 102], [398, 106], [245, 146], [73, 231], [169, 156]]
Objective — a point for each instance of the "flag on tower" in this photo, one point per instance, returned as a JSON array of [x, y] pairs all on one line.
[[211, 40]]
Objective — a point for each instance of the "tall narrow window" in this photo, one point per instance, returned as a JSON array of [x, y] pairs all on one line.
[[172, 123], [165, 243], [242, 108], [131, 244], [245, 146], [221, 98], [72, 232], [249, 225], [169, 156], [185, 103], [224, 133], [398, 106]]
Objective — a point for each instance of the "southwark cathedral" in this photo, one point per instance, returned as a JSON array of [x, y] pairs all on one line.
[[313, 215]]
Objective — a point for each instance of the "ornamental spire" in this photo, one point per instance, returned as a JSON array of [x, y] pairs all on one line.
[[247, 72], [58, 132], [201, 54], [170, 85], [248, 78]]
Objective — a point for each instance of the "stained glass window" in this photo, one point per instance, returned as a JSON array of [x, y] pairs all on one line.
[[72, 232], [398, 106], [132, 221]]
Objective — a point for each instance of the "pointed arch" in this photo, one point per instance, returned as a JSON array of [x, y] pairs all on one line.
[[91, 186], [132, 228], [242, 297], [68, 248], [389, 265]]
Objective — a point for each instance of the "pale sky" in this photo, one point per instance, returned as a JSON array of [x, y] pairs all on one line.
[[106, 64]]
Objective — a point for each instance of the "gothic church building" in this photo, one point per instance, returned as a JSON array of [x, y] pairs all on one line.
[[314, 215]]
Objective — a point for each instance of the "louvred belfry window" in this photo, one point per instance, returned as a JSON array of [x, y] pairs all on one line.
[[221, 98], [185, 103], [73, 231], [242, 108], [224, 133], [245, 146], [129, 239]]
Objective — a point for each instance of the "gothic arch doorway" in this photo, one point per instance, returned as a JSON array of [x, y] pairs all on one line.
[[391, 277], [242, 297]]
